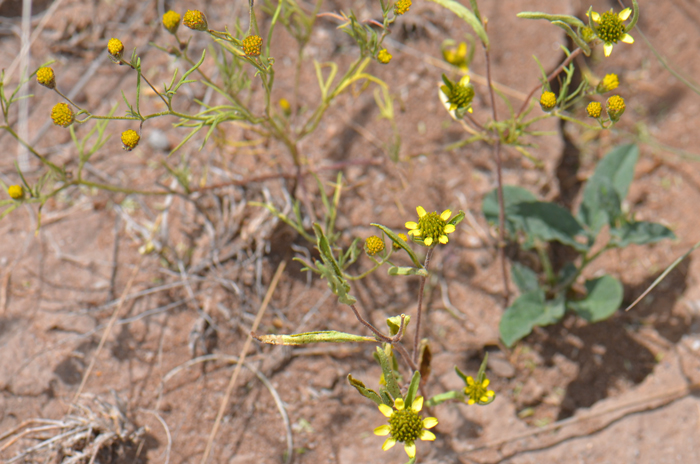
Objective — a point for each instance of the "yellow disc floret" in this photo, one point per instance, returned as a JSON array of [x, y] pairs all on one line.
[[594, 109], [384, 56], [115, 47], [46, 77], [374, 245], [609, 82], [171, 21], [195, 20], [402, 7], [252, 45], [15, 191], [62, 115], [548, 101], [615, 106], [130, 138]]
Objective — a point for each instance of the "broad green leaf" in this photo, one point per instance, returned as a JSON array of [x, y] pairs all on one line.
[[524, 277], [603, 298], [323, 336], [607, 188], [364, 391], [640, 233], [511, 196], [547, 222], [464, 13], [527, 311], [405, 270], [412, 389]]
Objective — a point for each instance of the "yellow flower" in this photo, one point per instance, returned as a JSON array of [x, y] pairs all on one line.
[[171, 21], [252, 45], [478, 392], [430, 227], [609, 82], [402, 237], [401, 7], [594, 109], [195, 20], [374, 245], [456, 55], [62, 115], [615, 106], [405, 425], [548, 101], [610, 28], [46, 77], [115, 47], [15, 191], [457, 97], [130, 138], [384, 56]]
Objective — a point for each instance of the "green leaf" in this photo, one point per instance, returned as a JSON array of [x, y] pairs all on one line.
[[547, 222], [527, 311], [603, 298], [572, 20], [388, 372], [511, 196], [412, 389], [524, 277], [607, 188], [397, 240], [407, 270], [464, 13], [323, 336], [640, 233], [330, 270], [394, 323], [364, 391]]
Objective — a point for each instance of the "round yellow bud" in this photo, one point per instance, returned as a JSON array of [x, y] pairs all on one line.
[[615, 106], [195, 20], [401, 7], [46, 77], [594, 109], [384, 56], [115, 47], [130, 138], [374, 245], [609, 82], [62, 115], [252, 45], [548, 101], [16, 192], [171, 21]]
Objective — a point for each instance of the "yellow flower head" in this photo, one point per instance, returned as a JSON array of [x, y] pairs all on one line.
[[405, 425], [384, 56], [15, 191], [457, 96], [286, 106], [46, 77], [171, 21], [615, 106], [478, 392], [62, 115], [115, 47], [456, 55], [594, 109], [548, 101], [130, 138], [431, 228], [401, 7], [374, 245], [609, 82], [195, 20], [402, 237], [611, 29], [252, 45]]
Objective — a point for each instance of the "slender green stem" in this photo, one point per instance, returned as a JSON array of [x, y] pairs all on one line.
[[419, 311], [33, 151], [546, 263]]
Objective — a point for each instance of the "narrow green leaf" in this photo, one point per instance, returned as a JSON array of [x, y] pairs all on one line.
[[603, 299], [364, 391], [640, 233], [407, 270], [388, 372], [323, 336], [412, 389], [568, 19], [397, 240], [470, 18]]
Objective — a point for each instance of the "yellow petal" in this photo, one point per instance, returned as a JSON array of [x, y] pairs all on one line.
[[399, 404], [411, 225], [388, 444], [624, 14], [490, 393], [607, 48], [443, 239], [428, 241], [386, 410], [471, 401], [464, 80], [485, 383], [470, 380], [417, 404], [415, 232], [382, 430], [429, 422], [628, 39], [449, 228], [595, 16], [470, 110], [427, 435], [484, 399], [410, 449], [446, 215], [421, 211]]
